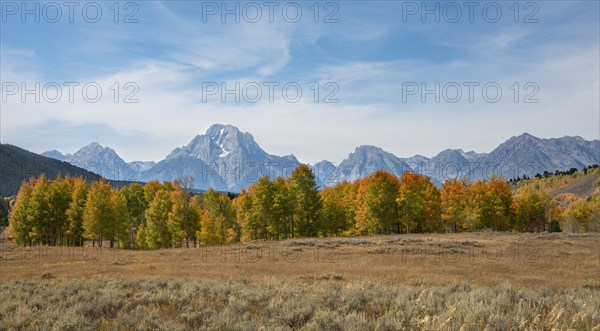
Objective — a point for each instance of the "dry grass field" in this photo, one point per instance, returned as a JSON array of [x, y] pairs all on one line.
[[471, 281]]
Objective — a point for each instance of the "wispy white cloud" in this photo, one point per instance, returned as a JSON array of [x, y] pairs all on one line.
[[169, 54]]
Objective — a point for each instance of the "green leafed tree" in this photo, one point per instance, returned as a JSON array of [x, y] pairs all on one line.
[[333, 213], [491, 204], [243, 207], [306, 202], [283, 209], [184, 219], [120, 218], [584, 214], [20, 222], [59, 196], [531, 208], [378, 210], [222, 213], [157, 233], [38, 212], [105, 214], [136, 209], [262, 217], [75, 212], [150, 190]]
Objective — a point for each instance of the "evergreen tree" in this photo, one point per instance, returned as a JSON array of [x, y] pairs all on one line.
[[554, 226]]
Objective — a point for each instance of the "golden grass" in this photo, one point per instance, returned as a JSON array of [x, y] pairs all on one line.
[[529, 260], [471, 281]]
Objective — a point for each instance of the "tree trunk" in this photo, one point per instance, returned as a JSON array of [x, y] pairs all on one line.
[[292, 225]]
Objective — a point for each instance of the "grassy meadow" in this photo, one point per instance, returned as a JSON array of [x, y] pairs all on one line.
[[470, 281]]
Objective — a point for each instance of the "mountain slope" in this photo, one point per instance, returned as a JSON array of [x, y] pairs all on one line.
[[141, 166], [449, 163], [224, 158], [54, 154], [583, 187], [103, 161], [366, 160], [416, 161], [528, 155], [176, 168], [518, 156], [17, 165], [325, 172]]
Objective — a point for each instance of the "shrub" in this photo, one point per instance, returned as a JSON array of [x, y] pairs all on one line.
[[205, 304], [554, 226], [47, 275]]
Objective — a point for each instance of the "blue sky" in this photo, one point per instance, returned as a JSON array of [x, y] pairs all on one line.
[[369, 55]]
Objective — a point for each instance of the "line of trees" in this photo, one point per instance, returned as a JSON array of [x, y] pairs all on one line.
[[71, 211], [557, 173]]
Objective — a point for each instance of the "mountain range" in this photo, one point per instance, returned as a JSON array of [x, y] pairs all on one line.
[[228, 159], [103, 161]]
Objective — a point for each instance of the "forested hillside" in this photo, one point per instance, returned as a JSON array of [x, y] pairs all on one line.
[[17, 165]]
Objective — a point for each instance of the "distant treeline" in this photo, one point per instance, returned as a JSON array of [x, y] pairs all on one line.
[[71, 211], [547, 174]]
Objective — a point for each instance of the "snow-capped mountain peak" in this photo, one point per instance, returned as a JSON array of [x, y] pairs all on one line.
[[224, 158]]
